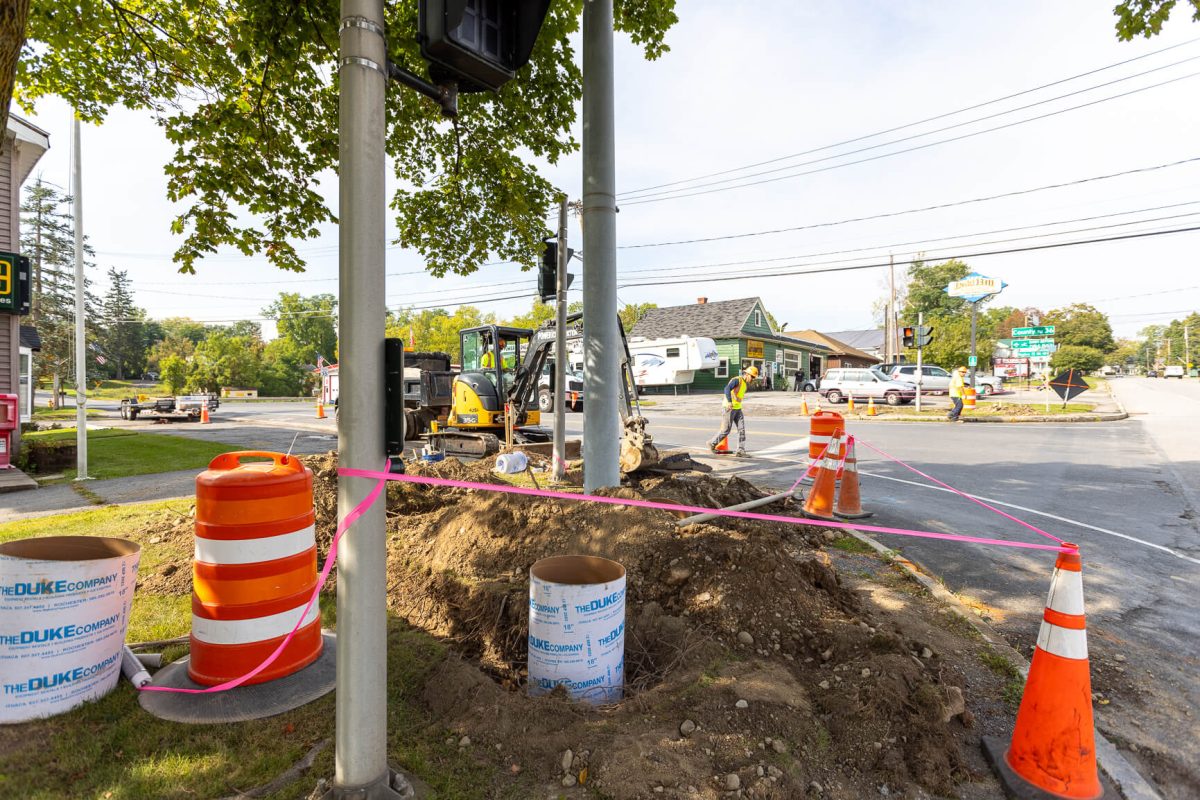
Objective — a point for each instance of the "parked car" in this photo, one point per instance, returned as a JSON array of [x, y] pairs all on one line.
[[935, 380], [1151, 373], [1173, 371], [546, 390], [839, 384]]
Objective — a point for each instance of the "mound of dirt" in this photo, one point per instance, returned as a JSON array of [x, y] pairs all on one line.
[[751, 669]]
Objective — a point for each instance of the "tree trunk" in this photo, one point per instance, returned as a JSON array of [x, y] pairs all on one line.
[[57, 390], [14, 14]]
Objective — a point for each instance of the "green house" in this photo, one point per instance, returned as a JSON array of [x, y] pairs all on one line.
[[744, 336]]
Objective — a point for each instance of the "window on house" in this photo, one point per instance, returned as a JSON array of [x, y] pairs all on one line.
[[757, 318], [722, 370], [672, 352]]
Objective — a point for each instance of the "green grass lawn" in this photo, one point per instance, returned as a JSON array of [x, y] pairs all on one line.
[[112, 749], [983, 409], [45, 414], [114, 453], [115, 390]]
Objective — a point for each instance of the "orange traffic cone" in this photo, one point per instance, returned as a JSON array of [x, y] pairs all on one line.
[[204, 420], [849, 500], [817, 405], [320, 410], [804, 407], [819, 503], [1053, 747], [722, 446], [871, 407], [850, 404]]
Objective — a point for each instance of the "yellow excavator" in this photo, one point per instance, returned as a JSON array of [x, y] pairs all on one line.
[[494, 396]]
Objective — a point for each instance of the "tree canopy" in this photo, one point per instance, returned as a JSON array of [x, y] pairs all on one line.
[[1082, 325], [246, 91], [1145, 18]]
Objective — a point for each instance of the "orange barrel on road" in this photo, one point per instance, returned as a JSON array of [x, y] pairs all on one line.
[[255, 568], [968, 397], [822, 427]]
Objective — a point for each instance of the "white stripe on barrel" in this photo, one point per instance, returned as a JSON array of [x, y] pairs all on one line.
[[252, 551], [248, 631], [1064, 642]]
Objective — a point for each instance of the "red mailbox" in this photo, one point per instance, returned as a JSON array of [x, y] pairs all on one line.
[[9, 420]]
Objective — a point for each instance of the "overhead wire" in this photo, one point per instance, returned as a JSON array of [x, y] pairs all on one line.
[[916, 123]]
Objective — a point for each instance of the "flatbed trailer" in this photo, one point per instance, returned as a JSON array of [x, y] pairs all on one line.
[[182, 408]]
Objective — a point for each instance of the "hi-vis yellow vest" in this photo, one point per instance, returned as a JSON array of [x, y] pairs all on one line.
[[739, 394]]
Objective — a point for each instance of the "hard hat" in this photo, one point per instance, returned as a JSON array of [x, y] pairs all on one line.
[[963, 369], [752, 371]]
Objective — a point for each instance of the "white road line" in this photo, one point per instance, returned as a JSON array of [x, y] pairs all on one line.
[[1041, 514], [794, 446]]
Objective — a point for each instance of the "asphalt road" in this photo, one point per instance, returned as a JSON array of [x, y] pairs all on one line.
[[1125, 492]]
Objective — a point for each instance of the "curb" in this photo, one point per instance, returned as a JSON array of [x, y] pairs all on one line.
[[1130, 784]]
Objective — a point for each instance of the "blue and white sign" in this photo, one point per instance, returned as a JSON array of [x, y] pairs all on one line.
[[975, 287]]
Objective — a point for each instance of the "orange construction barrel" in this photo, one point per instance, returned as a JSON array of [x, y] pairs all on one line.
[[968, 397], [821, 428], [255, 568]]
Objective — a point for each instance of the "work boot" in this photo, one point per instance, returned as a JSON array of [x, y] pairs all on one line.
[[741, 453], [712, 447]]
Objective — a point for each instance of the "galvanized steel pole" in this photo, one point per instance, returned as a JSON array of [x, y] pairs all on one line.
[[360, 762], [562, 362], [602, 389], [81, 457]]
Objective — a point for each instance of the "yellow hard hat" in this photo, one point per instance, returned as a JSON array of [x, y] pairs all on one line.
[[963, 369], [752, 371]]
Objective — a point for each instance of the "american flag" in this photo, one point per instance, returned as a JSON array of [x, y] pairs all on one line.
[[101, 359]]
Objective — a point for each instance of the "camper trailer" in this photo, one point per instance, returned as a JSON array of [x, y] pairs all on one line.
[[671, 362]]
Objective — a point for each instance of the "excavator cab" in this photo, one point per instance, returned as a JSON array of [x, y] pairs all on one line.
[[492, 359]]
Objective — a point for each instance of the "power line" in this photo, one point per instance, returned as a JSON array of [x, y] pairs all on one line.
[[889, 214], [909, 149], [911, 124], [716, 279], [631, 197]]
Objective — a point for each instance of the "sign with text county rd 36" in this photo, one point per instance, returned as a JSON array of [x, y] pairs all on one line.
[[975, 287]]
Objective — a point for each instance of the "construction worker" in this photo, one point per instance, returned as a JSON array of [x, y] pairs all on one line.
[[735, 390], [958, 384], [488, 359]]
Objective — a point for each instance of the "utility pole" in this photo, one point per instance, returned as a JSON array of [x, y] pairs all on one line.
[[891, 348], [974, 314], [1187, 351], [360, 737], [562, 362], [601, 430], [920, 352], [81, 457]]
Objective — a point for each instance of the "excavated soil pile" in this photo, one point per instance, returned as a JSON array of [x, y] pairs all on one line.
[[748, 661]]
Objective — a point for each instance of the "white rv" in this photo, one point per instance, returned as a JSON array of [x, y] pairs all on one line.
[[671, 362]]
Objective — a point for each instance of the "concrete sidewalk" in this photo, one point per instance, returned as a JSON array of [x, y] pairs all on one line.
[[64, 498]]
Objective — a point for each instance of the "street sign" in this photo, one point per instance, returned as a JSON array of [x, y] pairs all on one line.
[[975, 287], [1041, 352], [972, 361], [1069, 384], [1039, 330], [1022, 345]]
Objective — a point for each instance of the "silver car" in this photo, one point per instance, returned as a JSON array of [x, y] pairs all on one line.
[[935, 380], [839, 384]]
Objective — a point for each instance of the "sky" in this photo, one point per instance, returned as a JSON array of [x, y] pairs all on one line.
[[799, 87]]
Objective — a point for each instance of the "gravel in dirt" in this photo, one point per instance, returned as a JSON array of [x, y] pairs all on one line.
[[753, 669]]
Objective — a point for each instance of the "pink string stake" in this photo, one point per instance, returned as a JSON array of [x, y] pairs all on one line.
[[975, 500], [330, 560]]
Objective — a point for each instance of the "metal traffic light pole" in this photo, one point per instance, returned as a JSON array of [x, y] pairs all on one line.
[[920, 351], [561, 360], [360, 735], [601, 431]]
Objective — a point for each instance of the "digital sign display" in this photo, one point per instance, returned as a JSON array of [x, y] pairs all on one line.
[[14, 284]]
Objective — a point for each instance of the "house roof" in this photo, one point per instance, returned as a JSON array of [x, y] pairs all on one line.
[[839, 347], [722, 319], [30, 337], [31, 141], [871, 339]]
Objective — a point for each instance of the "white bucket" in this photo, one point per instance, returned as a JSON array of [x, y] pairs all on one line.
[[510, 463], [64, 609], [577, 627]]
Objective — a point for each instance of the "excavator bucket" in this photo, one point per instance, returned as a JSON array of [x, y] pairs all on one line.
[[637, 448]]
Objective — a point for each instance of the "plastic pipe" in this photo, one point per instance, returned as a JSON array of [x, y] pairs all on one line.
[[133, 669], [762, 501]]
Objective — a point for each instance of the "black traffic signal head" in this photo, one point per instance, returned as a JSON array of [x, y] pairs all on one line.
[[909, 336], [924, 335], [548, 272], [478, 43]]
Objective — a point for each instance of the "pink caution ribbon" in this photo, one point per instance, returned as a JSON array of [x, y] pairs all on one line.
[[720, 512], [330, 560], [975, 500]]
